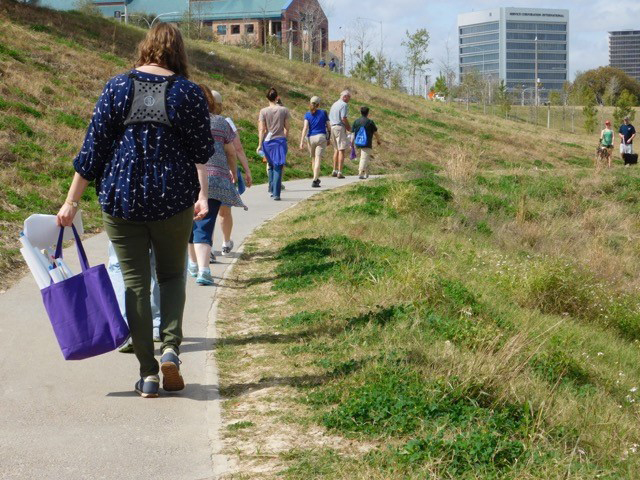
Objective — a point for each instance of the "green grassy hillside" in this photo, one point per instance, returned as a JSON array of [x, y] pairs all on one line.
[[476, 315], [54, 64]]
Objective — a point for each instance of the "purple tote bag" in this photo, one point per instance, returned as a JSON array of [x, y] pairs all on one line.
[[83, 310]]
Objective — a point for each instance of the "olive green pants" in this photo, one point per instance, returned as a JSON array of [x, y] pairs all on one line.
[[132, 241]]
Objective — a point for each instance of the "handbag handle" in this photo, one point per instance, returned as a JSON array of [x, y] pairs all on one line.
[[84, 263]]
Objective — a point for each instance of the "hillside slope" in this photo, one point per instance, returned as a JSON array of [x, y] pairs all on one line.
[[476, 316], [53, 66]]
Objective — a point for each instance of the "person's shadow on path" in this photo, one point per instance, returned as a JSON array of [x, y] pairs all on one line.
[[192, 391]]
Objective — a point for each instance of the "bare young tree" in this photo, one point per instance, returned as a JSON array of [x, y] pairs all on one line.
[[87, 7], [313, 23], [447, 67], [192, 20], [361, 39], [396, 77], [416, 45]]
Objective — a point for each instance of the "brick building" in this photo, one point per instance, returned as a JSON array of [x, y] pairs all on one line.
[[302, 22], [336, 51]]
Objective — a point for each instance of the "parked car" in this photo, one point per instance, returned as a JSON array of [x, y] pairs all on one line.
[[440, 98]]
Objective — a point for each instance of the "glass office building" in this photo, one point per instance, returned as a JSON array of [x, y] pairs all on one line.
[[624, 52], [504, 44]]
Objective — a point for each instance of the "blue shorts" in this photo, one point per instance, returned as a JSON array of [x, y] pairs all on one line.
[[202, 231], [240, 186]]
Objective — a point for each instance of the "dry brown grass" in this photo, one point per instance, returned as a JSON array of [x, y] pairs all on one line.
[[64, 59]]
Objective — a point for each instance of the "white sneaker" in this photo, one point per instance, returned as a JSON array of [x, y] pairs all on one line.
[[227, 247]]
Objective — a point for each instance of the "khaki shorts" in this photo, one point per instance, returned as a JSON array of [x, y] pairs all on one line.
[[366, 155], [317, 144], [628, 148], [339, 138]]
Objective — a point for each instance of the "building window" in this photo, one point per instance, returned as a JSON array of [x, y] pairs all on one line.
[[480, 48], [248, 28], [558, 27], [221, 30], [235, 29], [486, 27], [479, 58], [487, 67], [554, 37], [532, 66], [531, 76], [489, 37], [532, 46], [532, 56]]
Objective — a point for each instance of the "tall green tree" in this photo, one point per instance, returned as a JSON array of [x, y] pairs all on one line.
[[366, 69], [396, 77], [382, 73], [441, 85], [612, 92], [599, 80], [416, 45], [624, 107], [589, 110], [502, 97], [471, 86]]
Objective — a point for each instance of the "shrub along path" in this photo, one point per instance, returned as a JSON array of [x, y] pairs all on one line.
[[78, 420]]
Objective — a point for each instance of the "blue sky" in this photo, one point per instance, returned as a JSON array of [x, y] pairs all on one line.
[[590, 20]]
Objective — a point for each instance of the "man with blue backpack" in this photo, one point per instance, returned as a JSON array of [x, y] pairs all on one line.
[[364, 130]]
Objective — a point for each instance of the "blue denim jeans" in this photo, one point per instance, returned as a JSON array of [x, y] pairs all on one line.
[[275, 179], [115, 274], [202, 231]]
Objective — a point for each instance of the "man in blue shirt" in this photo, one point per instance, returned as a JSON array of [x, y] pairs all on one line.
[[322, 63], [317, 131], [332, 65], [627, 134]]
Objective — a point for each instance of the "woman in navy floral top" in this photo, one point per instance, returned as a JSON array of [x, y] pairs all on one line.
[[147, 160]]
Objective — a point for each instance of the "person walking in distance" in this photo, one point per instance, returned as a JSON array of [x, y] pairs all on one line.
[[226, 218], [317, 132], [606, 142], [627, 133], [273, 130], [332, 65], [339, 129], [145, 148], [222, 172], [364, 129]]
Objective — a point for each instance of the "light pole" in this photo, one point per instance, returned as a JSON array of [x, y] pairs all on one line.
[[162, 15], [143, 18], [536, 69]]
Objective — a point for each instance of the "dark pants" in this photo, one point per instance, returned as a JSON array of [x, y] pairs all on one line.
[[132, 241], [275, 179]]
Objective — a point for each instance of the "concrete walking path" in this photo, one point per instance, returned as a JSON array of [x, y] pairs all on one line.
[[82, 420]]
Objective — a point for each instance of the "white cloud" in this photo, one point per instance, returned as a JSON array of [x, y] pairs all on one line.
[[590, 20]]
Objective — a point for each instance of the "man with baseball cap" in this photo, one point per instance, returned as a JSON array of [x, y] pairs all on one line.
[[339, 128], [317, 131], [627, 134]]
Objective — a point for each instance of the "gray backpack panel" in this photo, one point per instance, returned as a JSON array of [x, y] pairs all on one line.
[[149, 103]]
